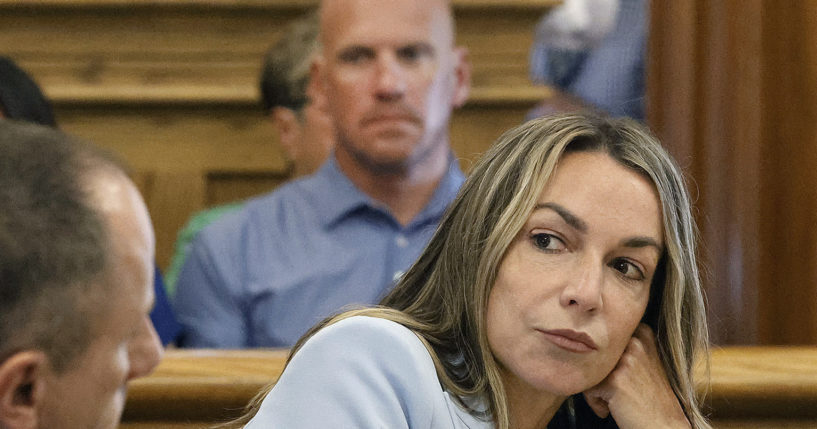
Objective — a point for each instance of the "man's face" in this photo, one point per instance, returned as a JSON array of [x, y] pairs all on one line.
[[91, 392], [316, 138], [390, 76], [307, 137]]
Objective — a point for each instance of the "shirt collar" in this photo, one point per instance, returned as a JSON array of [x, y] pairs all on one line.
[[337, 196]]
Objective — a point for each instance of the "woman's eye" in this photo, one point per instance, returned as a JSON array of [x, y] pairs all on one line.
[[547, 242], [628, 269]]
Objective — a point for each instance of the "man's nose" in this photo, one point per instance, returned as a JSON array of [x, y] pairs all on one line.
[[391, 78], [145, 351]]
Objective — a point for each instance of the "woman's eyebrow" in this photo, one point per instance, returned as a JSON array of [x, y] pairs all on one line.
[[569, 218], [578, 224], [637, 242]]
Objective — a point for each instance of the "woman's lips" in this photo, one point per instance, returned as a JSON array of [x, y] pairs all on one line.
[[570, 340]]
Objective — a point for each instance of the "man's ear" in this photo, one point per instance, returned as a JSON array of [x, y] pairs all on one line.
[[462, 76], [288, 127], [316, 88], [21, 389]]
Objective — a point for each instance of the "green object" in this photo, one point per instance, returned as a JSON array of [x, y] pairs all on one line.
[[186, 236]]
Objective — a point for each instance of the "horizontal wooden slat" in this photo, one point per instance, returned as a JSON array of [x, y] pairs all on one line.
[[751, 387], [535, 5], [202, 385], [764, 382], [214, 137], [216, 44], [78, 95]]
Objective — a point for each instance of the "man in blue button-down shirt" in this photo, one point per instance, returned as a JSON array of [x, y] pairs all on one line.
[[390, 76]]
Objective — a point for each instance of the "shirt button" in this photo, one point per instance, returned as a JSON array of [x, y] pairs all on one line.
[[397, 275], [401, 241]]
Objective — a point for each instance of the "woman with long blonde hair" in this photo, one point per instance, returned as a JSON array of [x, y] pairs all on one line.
[[561, 290]]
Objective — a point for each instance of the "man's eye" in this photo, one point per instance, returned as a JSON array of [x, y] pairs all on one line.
[[627, 269], [414, 53], [354, 56], [547, 242], [409, 54]]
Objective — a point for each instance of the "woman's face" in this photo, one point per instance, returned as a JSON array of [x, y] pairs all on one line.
[[575, 282]]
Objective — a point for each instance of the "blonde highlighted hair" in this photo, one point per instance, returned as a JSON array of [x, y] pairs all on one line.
[[444, 296]]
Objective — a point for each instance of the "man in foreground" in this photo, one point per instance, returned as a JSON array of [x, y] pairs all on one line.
[[76, 283]]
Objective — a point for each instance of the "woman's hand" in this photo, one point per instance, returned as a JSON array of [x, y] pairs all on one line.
[[637, 391]]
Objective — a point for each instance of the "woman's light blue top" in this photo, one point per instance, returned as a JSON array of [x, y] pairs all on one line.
[[362, 372]]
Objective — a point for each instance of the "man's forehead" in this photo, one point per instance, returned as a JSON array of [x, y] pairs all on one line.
[[382, 22]]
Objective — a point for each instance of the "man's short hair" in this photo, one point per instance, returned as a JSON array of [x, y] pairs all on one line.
[[53, 243], [21, 98], [285, 74]]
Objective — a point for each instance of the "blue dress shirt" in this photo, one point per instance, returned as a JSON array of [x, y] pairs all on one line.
[[262, 276]]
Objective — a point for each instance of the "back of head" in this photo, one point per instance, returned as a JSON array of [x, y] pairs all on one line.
[[53, 244], [285, 73], [21, 98]]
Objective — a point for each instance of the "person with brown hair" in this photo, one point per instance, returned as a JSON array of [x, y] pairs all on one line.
[[76, 282]]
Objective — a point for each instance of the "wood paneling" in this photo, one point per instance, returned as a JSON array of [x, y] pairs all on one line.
[[732, 93], [80, 46], [751, 387], [191, 156], [170, 86], [788, 272]]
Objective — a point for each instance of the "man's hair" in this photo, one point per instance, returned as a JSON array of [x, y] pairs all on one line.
[[54, 244], [285, 74], [21, 98]]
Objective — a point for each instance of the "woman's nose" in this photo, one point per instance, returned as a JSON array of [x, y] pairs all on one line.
[[584, 289]]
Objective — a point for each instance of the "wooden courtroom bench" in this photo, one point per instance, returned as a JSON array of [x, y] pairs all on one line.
[[170, 85], [751, 387]]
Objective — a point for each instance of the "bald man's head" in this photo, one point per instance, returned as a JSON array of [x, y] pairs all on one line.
[[332, 11], [390, 76]]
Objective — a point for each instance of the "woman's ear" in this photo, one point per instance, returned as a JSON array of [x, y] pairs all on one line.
[[21, 389]]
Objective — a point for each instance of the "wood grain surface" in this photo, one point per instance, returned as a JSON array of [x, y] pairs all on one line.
[[751, 387]]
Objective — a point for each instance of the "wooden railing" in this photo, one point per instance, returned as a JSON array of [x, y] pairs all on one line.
[[763, 387], [750, 387]]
